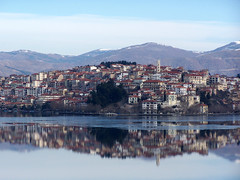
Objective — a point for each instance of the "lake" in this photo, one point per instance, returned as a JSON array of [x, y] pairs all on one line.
[[98, 147]]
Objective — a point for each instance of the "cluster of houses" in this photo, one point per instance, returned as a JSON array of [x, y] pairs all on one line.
[[152, 87]]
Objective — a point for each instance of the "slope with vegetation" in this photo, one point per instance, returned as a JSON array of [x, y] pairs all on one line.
[[107, 93]]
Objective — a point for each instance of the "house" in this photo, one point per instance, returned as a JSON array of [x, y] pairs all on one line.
[[123, 75], [87, 68], [203, 108], [133, 99], [149, 107], [42, 76], [197, 79], [154, 84], [171, 100], [156, 76], [20, 91], [36, 83], [191, 91], [7, 91], [138, 82], [83, 83], [181, 91], [125, 83], [48, 97], [214, 79], [219, 87], [190, 100], [137, 73]]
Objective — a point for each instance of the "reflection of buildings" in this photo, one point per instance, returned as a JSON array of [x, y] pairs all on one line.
[[108, 142]]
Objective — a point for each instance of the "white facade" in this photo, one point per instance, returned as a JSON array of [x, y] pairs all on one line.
[[158, 66]]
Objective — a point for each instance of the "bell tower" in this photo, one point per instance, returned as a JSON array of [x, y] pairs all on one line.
[[158, 66]]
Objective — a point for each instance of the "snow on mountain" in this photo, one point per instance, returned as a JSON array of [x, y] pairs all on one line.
[[237, 42], [223, 60], [96, 52], [235, 46]]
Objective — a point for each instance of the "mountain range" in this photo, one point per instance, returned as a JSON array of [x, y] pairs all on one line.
[[223, 60]]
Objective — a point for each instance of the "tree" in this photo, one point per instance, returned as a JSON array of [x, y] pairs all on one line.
[[46, 106], [208, 96], [204, 97], [23, 108], [107, 93]]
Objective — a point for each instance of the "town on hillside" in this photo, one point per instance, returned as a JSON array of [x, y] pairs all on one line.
[[149, 90]]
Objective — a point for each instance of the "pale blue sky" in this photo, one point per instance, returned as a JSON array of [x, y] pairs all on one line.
[[75, 26], [194, 10]]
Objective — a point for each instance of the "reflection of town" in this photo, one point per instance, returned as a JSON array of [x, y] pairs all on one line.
[[111, 142]]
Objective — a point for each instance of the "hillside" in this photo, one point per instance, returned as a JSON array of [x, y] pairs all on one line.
[[223, 60], [26, 62]]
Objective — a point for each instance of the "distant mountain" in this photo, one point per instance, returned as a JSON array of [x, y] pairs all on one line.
[[235, 46], [223, 60], [230, 152], [26, 62], [96, 53], [147, 53]]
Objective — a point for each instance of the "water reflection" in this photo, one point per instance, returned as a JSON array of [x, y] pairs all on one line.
[[119, 143]]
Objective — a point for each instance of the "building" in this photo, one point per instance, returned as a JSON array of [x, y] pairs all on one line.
[[133, 99], [214, 79], [154, 84], [158, 66], [180, 90], [171, 100], [197, 79], [203, 108], [190, 100], [48, 97], [149, 107]]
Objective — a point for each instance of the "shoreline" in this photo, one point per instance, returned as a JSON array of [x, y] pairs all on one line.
[[109, 114]]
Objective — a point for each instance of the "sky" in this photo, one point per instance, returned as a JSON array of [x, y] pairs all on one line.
[[73, 27]]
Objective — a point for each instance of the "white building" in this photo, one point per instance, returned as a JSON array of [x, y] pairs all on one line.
[[158, 66], [149, 107]]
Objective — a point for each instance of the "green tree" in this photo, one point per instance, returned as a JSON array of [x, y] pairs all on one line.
[[46, 106], [107, 93], [204, 97], [109, 63]]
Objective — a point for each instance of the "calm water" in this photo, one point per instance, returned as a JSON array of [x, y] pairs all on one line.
[[85, 147]]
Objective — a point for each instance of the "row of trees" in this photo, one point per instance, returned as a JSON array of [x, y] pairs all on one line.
[[109, 63]]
